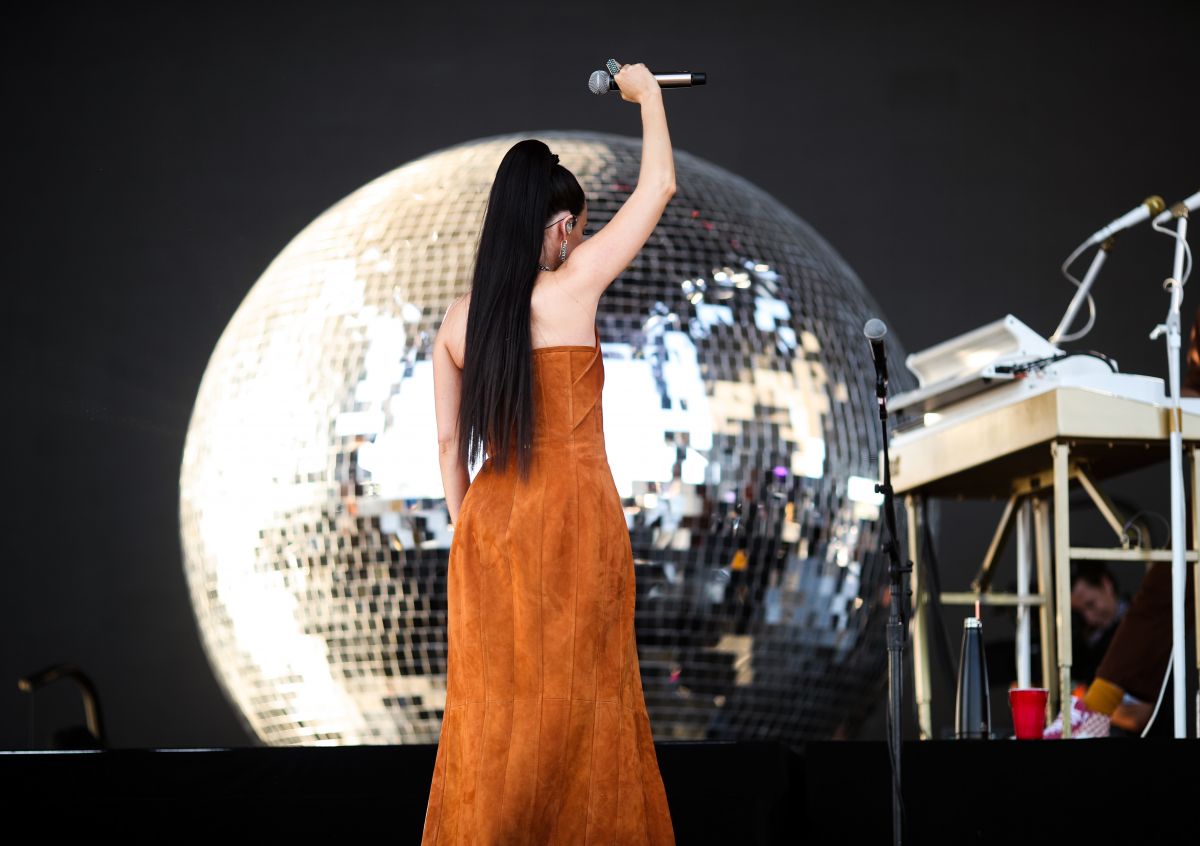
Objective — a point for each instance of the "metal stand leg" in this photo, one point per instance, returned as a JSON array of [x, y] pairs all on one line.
[[1062, 576], [1024, 524], [983, 582], [922, 685], [1194, 452], [1041, 522]]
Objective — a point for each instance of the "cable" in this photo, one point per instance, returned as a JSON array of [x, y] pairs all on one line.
[[1078, 284], [1187, 250], [1026, 366], [1129, 525], [1161, 691], [895, 775], [1187, 271], [1112, 364], [1078, 251], [888, 539], [1037, 363]]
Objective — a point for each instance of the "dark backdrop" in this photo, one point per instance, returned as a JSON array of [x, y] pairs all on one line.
[[160, 155]]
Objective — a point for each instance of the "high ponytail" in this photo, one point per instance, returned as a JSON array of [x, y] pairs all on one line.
[[496, 406]]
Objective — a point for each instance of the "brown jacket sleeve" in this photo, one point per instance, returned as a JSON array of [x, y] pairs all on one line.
[[1191, 376]]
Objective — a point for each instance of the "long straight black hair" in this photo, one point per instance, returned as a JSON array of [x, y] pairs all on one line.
[[496, 405]]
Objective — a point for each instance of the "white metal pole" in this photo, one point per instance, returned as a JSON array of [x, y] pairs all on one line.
[[1178, 539], [1082, 292], [1024, 550]]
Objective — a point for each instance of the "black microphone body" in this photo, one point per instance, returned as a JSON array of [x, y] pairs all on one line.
[[876, 331]]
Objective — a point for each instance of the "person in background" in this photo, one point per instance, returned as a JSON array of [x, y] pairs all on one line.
[[1097, 607]]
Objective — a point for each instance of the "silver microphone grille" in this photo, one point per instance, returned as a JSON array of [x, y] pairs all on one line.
[[599, 82], [875, 330]]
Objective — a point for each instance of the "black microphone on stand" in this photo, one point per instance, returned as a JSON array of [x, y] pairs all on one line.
[[876, 331]]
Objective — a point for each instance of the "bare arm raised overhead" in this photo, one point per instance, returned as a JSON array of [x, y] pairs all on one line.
[[597, 261]]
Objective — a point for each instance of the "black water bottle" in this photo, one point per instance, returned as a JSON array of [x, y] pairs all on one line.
[[972, 706]]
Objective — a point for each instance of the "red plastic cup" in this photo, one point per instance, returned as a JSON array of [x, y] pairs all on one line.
[[1029, 711]]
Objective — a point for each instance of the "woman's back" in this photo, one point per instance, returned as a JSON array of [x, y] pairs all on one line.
[[556, 317]]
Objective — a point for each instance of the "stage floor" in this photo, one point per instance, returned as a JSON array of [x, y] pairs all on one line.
[[729, 793]]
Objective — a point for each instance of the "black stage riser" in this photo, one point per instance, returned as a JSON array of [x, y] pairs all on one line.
[[1001, 792]]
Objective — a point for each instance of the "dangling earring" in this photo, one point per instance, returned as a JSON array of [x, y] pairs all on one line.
[[562, 254]]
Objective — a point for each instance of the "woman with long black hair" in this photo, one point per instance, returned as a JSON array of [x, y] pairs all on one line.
[[545, 737]]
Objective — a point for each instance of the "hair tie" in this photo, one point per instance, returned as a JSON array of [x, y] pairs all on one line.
[[554, 158]]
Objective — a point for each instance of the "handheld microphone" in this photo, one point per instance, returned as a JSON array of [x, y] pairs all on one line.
[[875, 330], [1149, 207], [601, 81], [1180, 209]]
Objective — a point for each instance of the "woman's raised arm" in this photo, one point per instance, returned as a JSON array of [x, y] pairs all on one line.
[[595, 263]]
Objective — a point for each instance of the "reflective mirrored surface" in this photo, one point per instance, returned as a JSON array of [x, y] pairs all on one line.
[[741, 429]]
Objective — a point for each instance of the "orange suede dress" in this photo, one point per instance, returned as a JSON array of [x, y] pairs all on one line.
[[545, 738]]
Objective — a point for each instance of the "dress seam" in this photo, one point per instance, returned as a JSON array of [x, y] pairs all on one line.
[[642, 777], [483, 727], [575, 613], [447, 713], [597, 674], [461, 771], [587, 815], [537, 755], [441, 800], [513, 713], [620, 606], [482, 634]]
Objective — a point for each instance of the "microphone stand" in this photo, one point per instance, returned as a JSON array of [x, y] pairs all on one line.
[[1084, 287], [896, 623], [1178, 562], [1149, 208]]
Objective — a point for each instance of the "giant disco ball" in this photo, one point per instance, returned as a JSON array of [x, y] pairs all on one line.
[[741, 430]]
